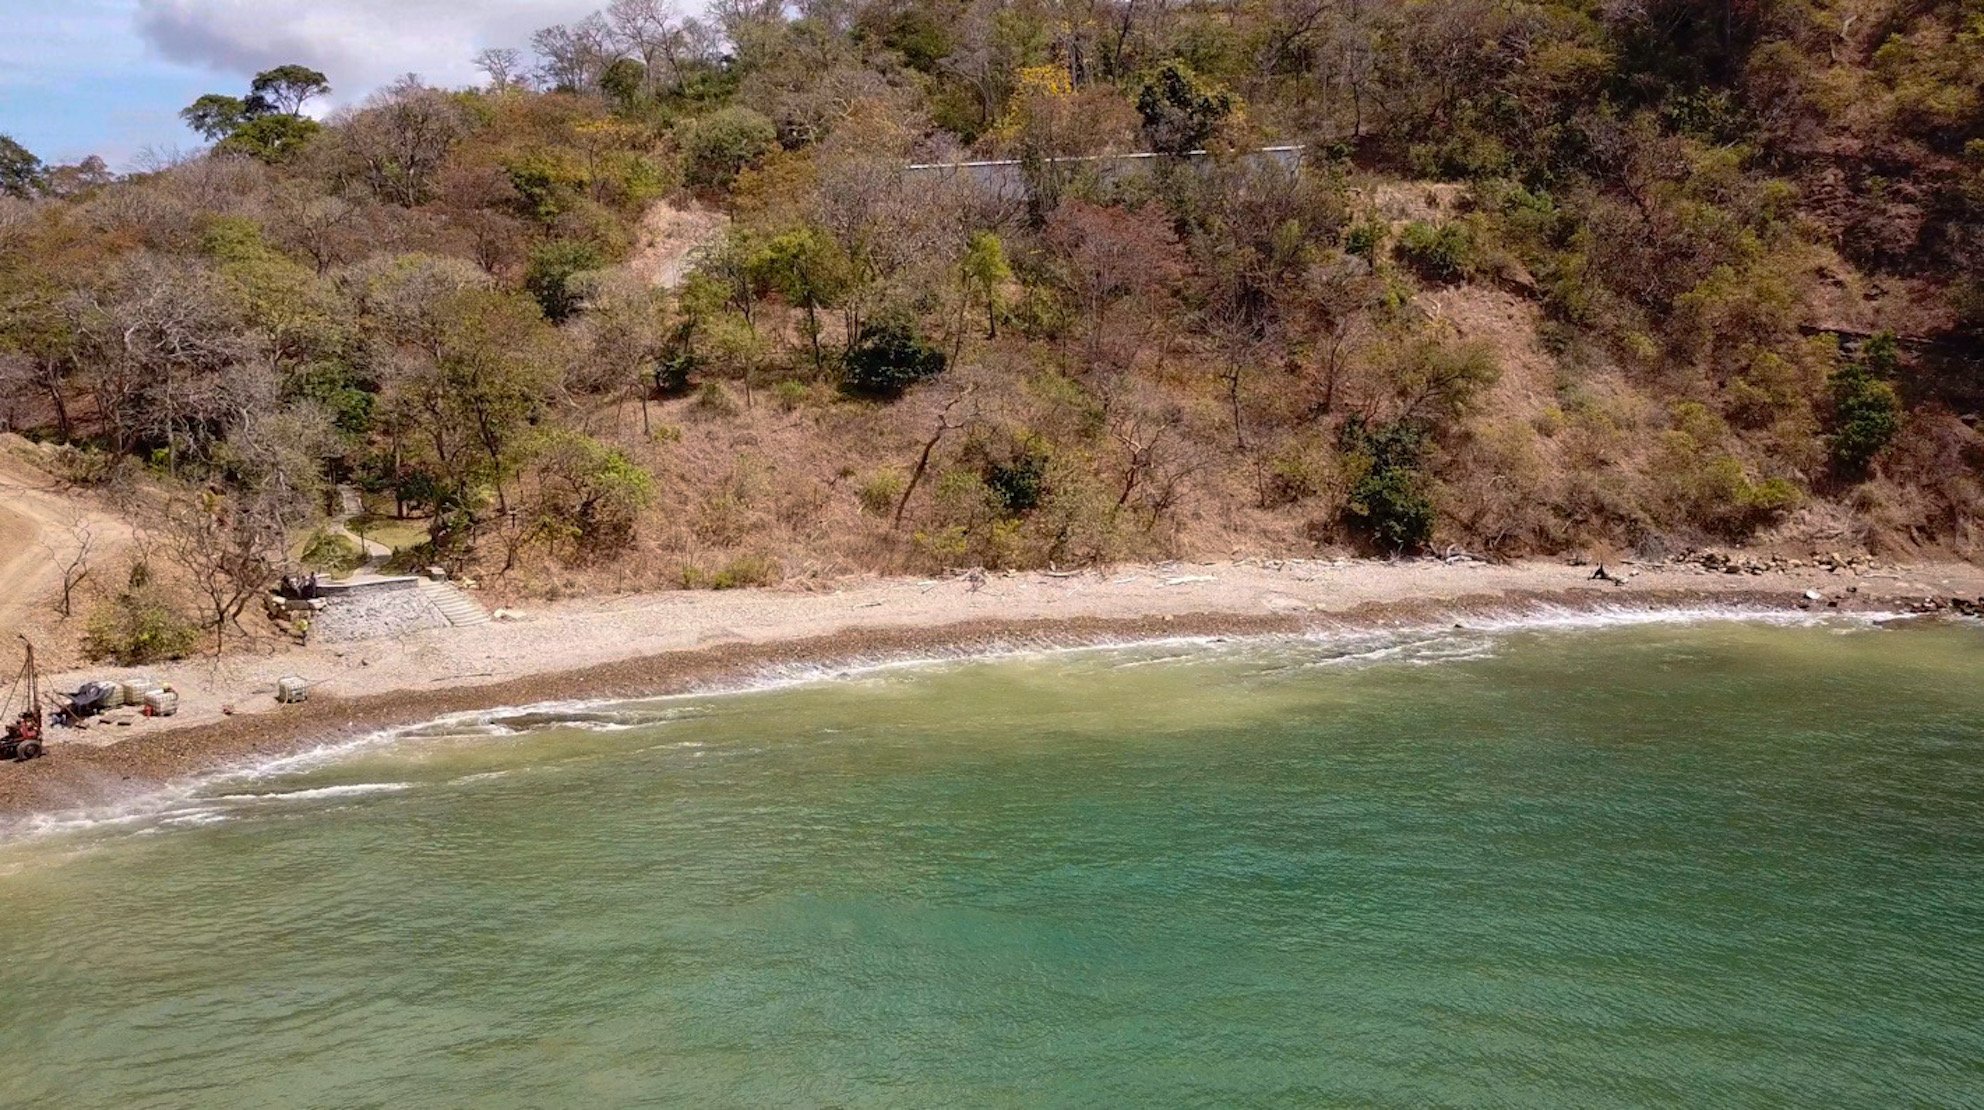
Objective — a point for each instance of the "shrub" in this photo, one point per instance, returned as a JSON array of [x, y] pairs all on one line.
[[1866, 412], [550, 277], [1390, 504], [790, 394], [715, 400], [1461, 153], [1710, 487], [879, 494], [716, 148], [546, 184], [1181, 110], [1768, 391], [1018, 484], [674, 371], [1438, 381], [138, 628], [744, 570], [1445, 252], [1363, 239], [589, 494], [1734, 308], [1773, 497], [1967, 301], [90, 466], [332, 553], [1295, 474], [889, 358], [1729, 503]]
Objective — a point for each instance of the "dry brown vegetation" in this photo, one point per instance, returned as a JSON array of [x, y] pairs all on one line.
[[662, 305]]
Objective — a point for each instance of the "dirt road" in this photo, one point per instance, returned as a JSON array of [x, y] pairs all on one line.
[[42, 527]]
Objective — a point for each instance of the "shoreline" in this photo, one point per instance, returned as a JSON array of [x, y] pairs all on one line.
[[82, 777]]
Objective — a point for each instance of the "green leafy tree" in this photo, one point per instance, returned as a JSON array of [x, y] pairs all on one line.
[[273, 139], [216, 116], [812, 272], [546, 184], [495, 373], [20, 171], [624, 81], [1181, 110], [268, 123], [716, 148], [981, 272], [552, 273], [284, 90], [889, 357], [589, 495], [1866, 411], [481, 373], [1390, 503], [699, 303]]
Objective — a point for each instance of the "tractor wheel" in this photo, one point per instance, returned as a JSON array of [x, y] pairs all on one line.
[[28, 750]]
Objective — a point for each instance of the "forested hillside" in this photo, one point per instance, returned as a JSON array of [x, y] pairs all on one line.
[[662, 302]]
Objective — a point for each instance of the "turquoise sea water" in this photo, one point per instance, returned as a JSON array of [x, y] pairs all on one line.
[[1677, 864]]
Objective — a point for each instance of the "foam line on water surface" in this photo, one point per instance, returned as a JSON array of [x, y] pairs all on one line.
[[189, 804], [1360, 643], [1545, 618], [348, 790]]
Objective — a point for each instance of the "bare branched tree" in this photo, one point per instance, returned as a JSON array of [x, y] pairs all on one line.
[[227, 552], [504, 66], [401, 137], [945, 424], [75, 563], [574, 56], [649, 31]]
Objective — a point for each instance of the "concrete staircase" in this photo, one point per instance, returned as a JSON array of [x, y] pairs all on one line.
[[460, 609]]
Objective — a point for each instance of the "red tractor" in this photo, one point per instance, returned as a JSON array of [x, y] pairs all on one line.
[[22, 740]]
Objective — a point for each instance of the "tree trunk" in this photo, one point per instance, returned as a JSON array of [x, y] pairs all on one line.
[[52, 378], [916, 476], [399, 499], [1233, 398], [957, 333], [813, 330]]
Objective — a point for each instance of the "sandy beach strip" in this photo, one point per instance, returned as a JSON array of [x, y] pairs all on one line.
[[656, 644]]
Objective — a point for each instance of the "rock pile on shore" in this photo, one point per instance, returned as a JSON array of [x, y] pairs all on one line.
[[1961, 606], [1742, 562]]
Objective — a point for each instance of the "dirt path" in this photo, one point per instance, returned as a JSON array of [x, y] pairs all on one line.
[[42, 526], [374, 552], [670, 240]]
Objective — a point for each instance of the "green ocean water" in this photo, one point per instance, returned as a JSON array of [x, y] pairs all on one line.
[[1632, 864]]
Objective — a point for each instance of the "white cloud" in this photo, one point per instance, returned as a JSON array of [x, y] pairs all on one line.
[[359, 44]]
